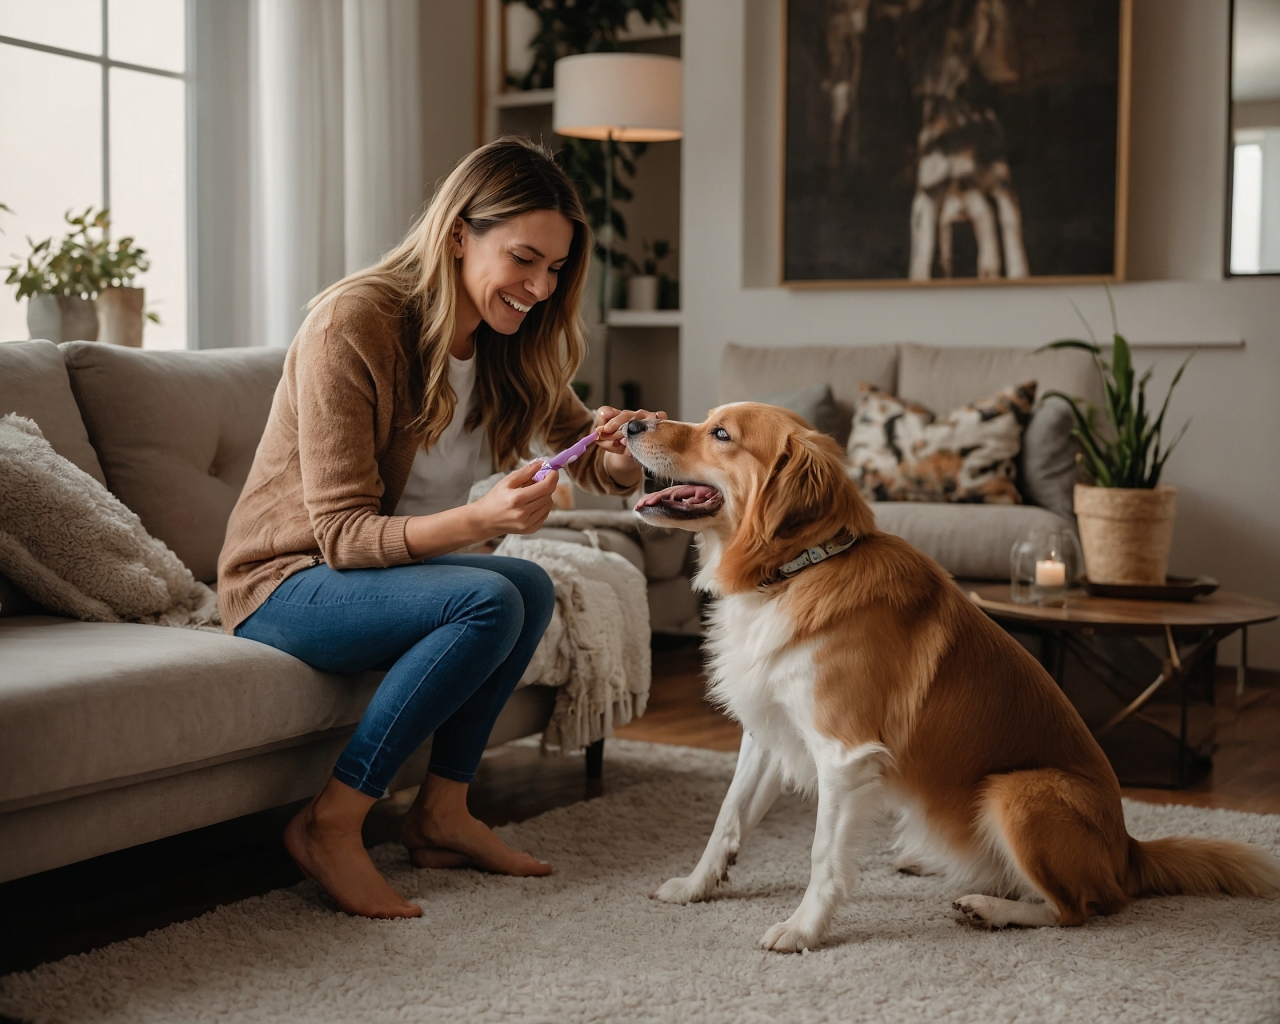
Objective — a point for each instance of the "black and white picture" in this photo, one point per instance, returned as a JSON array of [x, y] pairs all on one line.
[[936, 140]]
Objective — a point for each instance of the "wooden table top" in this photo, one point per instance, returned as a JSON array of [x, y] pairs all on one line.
[[1219, 609]]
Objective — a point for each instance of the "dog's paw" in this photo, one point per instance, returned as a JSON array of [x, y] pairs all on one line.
[[978, 911], [790, 937], [682, 890]]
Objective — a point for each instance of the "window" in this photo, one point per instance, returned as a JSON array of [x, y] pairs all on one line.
[[93, 112], [1246, 208]]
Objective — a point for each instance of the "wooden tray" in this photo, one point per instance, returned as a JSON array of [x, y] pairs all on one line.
[[1176, 588]]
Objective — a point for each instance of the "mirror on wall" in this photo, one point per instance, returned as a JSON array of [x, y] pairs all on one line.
[[1254, 239]]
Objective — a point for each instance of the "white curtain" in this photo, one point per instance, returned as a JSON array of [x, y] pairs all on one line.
[[336, 147]]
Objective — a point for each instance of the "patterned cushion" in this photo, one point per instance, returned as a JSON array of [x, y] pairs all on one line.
[[899, 452]]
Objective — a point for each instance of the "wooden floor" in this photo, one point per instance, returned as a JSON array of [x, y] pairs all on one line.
[[123, 894]]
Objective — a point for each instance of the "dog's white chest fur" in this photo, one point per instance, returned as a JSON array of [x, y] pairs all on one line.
[[764, 679]]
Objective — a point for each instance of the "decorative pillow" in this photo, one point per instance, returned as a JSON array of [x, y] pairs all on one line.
[[899, 452], [74, 547], [815, 403], [1047, 471]]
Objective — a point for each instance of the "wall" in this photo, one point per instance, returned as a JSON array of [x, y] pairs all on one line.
[[1226, 469], [448, 46]]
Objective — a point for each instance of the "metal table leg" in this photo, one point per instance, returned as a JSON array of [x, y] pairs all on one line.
[[1175, 669], [1242, 670]]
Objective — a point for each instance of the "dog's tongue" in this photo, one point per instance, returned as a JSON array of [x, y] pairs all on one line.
[[687, 496]]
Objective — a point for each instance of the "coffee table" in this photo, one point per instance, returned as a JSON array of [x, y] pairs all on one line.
[[1191, 630]]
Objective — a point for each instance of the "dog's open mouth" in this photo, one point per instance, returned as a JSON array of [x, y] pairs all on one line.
[[683, 501]]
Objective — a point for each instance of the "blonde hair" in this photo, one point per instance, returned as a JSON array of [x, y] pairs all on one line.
[[520, 378]]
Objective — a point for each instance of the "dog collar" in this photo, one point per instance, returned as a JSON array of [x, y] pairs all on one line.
[[842, 541]]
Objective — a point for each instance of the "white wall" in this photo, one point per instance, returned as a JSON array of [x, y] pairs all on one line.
[[1227, 469], [449, 116]]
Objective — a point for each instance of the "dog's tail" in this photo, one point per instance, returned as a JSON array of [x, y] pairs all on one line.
[[1181, 864]]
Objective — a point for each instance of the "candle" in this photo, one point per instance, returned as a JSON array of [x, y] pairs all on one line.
[[1051, 573]]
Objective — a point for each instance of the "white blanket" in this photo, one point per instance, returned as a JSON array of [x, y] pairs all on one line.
[[596, 649], [75, 548]]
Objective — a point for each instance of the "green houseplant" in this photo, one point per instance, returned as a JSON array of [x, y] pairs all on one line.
[[85, 285], [1124, 513]]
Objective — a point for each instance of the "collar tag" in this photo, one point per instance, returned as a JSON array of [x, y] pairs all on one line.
[[843, 541]]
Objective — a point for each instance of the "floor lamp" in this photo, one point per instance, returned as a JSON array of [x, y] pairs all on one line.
[[616, 97]]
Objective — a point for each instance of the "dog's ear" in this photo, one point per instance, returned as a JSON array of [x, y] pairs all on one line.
[[807, 499], [809, 485]]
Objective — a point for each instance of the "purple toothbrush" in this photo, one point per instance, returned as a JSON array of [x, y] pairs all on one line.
[[558, 462]]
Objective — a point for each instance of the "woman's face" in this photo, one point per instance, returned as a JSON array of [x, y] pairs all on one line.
[[511, 267]]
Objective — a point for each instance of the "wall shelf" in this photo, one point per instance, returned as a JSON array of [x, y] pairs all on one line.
[[525, 98], [1177, 346], [644, 318]]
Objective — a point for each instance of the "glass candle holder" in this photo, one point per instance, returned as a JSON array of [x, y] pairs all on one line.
[[1043, 566]]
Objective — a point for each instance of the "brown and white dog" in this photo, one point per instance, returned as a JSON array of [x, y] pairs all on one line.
[[868, 678]]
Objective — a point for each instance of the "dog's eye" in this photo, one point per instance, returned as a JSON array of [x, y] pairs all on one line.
[[720, 434]]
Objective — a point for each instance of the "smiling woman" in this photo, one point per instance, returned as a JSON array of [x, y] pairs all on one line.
[[342, 549]]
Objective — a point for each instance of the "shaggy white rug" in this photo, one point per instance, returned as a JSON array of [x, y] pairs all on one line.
[[587, 944]]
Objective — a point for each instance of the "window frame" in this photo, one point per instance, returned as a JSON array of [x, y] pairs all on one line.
[[187, 77]]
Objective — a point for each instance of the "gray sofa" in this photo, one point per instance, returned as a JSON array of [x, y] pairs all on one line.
[[969, 541], [115, 734]]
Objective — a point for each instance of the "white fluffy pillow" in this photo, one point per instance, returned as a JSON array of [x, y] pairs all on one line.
[[72, 545]]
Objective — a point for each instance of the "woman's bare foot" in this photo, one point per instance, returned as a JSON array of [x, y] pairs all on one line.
[[324, 839], [441, 833]]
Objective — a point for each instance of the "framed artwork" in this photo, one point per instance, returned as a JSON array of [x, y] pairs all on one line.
[[954, 141]]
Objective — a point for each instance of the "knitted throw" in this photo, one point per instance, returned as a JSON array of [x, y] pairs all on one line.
[[75, 548]]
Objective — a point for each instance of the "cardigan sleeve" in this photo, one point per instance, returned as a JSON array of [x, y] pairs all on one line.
[[337, 394], [572, 421]]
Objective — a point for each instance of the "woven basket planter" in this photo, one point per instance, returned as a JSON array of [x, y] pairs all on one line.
[[1126, 532]]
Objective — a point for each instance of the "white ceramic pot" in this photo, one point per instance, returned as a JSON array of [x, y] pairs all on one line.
[[642, 291], [1126, 532], [44, 318], [120, 316]]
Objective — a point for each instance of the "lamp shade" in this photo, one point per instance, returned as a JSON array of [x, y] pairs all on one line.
[[630, 97]]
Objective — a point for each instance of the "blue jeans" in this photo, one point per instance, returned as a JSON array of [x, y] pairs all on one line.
[[455, 634]]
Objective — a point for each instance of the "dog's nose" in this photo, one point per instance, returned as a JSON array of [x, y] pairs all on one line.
[[639, 427]]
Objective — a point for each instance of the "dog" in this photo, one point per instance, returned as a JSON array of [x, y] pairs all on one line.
[[862, 674]]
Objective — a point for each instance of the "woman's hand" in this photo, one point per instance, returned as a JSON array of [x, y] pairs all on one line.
[[517, 504], [611, 424]]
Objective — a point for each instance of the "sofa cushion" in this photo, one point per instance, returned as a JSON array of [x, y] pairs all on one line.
[[1047, 470], [938, 377], [176, 433], [969, 541], [815, 404], [88, 703], [750, 373], [34, 384]]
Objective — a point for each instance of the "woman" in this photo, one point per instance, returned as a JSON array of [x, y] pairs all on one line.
[[467, 332]]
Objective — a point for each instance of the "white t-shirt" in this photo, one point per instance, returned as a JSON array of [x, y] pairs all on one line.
[[442, 477]]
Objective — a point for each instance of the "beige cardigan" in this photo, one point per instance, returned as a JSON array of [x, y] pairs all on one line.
[[335, 455]]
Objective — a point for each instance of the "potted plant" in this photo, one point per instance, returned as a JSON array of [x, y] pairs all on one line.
[[1124, 513], [83, 289], [642, 288]]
